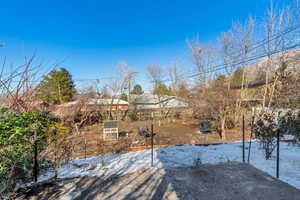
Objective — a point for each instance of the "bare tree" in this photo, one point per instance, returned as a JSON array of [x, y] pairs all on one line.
[[204, 59], [228, 54], [17, 88], [216, 103], [120, 83], [177, 77], [279, 36], [156, 74], [243, 40]]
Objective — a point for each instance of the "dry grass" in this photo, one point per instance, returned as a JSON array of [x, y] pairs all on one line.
[[90, 142]]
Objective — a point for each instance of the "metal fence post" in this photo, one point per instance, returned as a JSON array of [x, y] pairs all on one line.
[[152, 135], [35, 166], [277, 160], [243, 126], [55, 154], [84, 148], [251, 133]]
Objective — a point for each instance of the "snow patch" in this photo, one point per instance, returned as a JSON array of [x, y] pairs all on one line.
[[176, 156]]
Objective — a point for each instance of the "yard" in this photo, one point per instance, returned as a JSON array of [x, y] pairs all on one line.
[[179, 172], [176, 132]]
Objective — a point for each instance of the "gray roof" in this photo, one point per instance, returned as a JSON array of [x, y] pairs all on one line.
[[110, 124], [97, 102], [107, 102], [152, 99], [149, 101]]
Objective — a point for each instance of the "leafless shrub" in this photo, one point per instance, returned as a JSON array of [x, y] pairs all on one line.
[[16, 84]]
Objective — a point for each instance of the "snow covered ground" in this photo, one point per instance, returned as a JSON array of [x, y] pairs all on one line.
[[186, 155]]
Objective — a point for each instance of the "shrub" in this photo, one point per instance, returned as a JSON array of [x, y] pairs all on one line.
[[290, 124], [18, 134], [266, 129]]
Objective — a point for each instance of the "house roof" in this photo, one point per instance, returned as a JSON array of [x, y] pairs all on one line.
[[152, 99], [97, 102], [110, 124], [106, 102]]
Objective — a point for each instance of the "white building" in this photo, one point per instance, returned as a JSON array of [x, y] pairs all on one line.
[[150, 101]]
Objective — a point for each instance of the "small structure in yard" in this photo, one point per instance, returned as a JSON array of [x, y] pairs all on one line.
[[205, 127], [124, 133], [110, 130], [145, 132]]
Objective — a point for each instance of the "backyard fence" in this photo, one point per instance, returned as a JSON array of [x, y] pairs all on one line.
[[79, 147], [270, 127]]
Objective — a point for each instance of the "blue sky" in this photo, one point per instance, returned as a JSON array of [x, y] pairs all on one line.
[[92, 36]]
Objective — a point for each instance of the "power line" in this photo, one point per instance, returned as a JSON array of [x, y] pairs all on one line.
[[255, 46], [219, 66], [223, 66], [274, 37]]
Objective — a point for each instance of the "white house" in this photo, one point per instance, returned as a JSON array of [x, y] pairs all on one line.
[[115, 104], [150, 101]]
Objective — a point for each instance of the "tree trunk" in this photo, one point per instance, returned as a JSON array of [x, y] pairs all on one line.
[[223, 135]]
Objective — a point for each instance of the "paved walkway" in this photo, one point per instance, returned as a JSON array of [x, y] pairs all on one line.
[[230, 181]]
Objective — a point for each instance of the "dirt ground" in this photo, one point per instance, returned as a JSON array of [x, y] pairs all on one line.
[[170, 132], [228, 181]]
